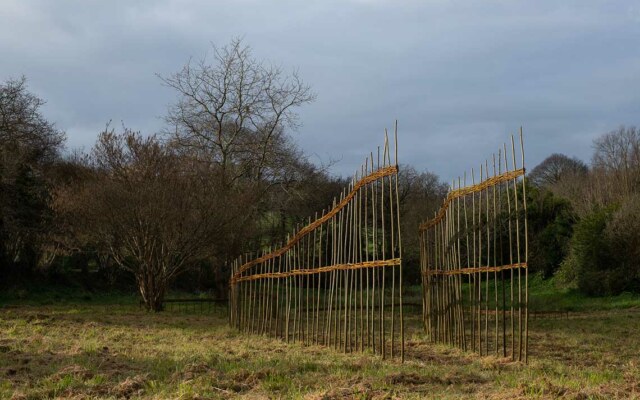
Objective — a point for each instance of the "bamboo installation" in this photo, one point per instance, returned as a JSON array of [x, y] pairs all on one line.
[[474, 261], [338, 280]]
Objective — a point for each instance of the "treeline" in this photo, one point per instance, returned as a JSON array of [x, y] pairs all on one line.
[[223, 178], [585, 219]]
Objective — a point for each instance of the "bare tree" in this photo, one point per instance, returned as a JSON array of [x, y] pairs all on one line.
[[28, 145], [23, 129], [232, 113], [153, 209], [613, 177], [234, 110], [421, 195], [551, 170], [617, 154]]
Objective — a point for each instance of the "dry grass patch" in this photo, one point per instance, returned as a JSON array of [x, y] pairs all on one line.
[[96, 352]]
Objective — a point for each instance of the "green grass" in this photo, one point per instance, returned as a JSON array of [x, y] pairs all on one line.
[[548, 295], [104, 350], [45, 295]]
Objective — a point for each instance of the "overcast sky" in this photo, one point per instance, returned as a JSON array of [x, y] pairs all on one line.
[[459, 76]]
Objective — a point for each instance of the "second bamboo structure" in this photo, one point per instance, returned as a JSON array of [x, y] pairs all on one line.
[[473, 259]]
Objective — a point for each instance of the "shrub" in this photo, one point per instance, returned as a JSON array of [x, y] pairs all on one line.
[[604, 251], [590, 256], [551, 222], [623, 233]]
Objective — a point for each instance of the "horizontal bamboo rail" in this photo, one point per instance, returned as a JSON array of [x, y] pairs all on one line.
[[475, 270], [310, 271]]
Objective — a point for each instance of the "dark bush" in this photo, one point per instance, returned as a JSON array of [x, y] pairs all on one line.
[[551, 221], [603, 251], [623, 233]]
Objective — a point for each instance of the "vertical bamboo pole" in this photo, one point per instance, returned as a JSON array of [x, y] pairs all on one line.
[[300, 304], [486, 300], [248, 289], [336, 325], [253, 301], [480, 265], [309, 287], [455, 229], [495, 259], [392, 255], [340, 279], [446, 295], [362, 333], [256, 294], [267, 304], [278, 270], [333, 275], [515, 196], [353, 301], [400, 267], [243, 302], [366, 250], [475, 262], [502, 262], [430, 288], [273, 312], [259, 296], [526, 257], [444, 228], [506, 167], [383, 344], [241, 297], [470, 276], [241, 293], [437, 283], [346, 274], [374, 273], [451, 265], [288, 290], [316, 283], [294, 266], [462, 318], [231, 303], [439, 265], [423, 255], [329, 261], [353, 306], [274, 295], [263, 297]]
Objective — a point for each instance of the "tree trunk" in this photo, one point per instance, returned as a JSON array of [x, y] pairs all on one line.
[[152, 290]]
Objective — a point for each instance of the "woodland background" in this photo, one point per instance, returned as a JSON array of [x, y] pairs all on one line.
[[153, 212]]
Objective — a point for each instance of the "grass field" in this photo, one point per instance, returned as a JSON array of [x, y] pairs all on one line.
[[107, 349]]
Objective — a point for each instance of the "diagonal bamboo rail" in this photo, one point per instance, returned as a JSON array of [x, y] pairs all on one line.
[[337, 281], [473, 260]]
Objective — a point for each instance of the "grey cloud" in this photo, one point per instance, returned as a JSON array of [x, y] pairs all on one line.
[[459, 76]]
